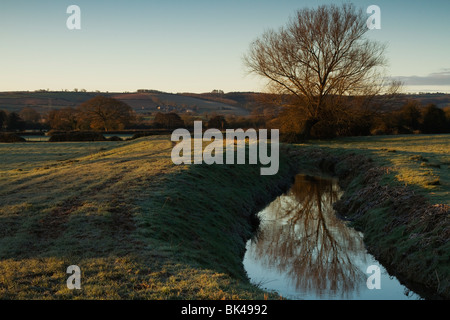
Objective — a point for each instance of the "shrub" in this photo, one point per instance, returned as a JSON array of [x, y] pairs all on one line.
[[168, 120], [217, 122], [114, 138], [434, 120], [150, 133], [10, 138], [77, 136]]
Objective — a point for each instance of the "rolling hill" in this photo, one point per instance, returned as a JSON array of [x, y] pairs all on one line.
[[148, 101], [44, 101]]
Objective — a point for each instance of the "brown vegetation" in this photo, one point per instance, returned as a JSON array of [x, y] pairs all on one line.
[[102, 113], [10, 138], [326, 68], [169, 120], [77, 136]]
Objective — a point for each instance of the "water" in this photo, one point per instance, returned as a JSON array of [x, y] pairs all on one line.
[[303, 251], [36, 138], [122, 136]]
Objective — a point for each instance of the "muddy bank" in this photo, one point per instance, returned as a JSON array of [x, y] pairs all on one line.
[[408, 235]]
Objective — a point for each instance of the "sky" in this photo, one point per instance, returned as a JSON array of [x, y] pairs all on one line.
[[192, 45]]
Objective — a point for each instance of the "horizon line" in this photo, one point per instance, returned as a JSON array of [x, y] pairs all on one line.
[[155, 91]]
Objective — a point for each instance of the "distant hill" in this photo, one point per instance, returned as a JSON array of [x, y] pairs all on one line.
[[42, 101], [141, 102], [245, 100], [145, 101], [441, 100]]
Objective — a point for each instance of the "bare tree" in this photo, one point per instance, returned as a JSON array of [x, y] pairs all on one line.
[[30, 115], [105, 113], [63, 119], [322, 60]]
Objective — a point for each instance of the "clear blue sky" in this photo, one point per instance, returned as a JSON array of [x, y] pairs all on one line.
[[190, 45]]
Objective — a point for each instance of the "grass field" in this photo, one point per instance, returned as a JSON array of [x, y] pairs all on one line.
[[138, 226], [419, 161]]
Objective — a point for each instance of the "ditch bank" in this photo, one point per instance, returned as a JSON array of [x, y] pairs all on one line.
[[402, 230], [208, 213]]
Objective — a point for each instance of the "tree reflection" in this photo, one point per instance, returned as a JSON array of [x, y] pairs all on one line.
[[308, 242]]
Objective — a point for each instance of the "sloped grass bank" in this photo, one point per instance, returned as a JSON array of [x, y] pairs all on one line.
[[406, 226], [409, 235], [138, 226], [208, 213]]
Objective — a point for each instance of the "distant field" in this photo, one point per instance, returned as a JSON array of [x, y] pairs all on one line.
[[421, 161], [142, 101], [43, 102], [237, 103], [30, 157]]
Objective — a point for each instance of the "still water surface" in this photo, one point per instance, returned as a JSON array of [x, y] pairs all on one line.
[[303, 251]]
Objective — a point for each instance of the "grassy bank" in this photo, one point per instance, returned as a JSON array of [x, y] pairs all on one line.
[[397, 192], [138, 226]]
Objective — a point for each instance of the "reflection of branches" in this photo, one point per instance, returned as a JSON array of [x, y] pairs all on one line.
[[308, 242]]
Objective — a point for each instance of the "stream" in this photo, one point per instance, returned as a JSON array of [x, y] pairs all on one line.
[[303, 251]]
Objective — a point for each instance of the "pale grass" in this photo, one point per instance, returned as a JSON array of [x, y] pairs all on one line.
[[404, 155], [71, 203]]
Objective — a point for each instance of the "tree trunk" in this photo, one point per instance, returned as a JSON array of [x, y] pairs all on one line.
[[309, 124]]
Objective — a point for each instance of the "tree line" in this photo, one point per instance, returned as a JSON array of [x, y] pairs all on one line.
[[410, 118], [11, 121], [99, 113], [106, 114]]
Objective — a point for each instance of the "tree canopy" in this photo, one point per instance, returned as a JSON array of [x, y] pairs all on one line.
[[322, 60], [63, 119], [169, 120], [103, 113]]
